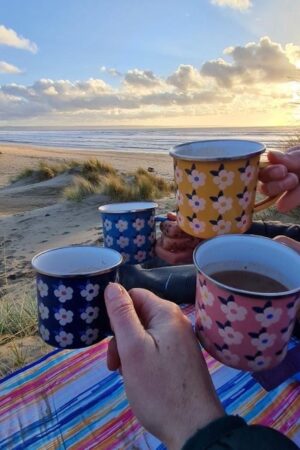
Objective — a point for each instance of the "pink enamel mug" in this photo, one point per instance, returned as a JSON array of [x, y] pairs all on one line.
[[246, 326]]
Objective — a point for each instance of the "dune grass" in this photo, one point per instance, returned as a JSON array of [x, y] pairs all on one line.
[[18, 329], [140, 185], [47, 170], [18, 316]]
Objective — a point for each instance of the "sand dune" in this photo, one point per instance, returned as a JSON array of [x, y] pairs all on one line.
[[35, 217]]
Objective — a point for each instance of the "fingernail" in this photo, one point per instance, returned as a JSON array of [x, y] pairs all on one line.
[[113, 291], [276, 152]]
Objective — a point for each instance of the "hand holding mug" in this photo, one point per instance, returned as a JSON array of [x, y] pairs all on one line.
[[281, 176], [174, 245], [165, 374]]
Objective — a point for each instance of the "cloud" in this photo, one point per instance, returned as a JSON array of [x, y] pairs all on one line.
[[141, 79], [8, 68], [10, 38], [254, 77], [111, 71], [234, 4], [185, 78], [265, 61]]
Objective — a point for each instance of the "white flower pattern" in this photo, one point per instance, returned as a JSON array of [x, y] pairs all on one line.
[[107, 224], [90, 336], [139, 240], [64, 339], [259, 363], [224, 179], [230, 336], [109, 241], [151, 221], [228, 357], [197, 226], [63, 293], [197, 178], [123, 241], [206, 296], [222, 227], [243, 222], [122, 225], [138, 224], [44, 311], [248, 174], [197, 203], [205, 320], [269, 316], [90, 291], [263, 341], [223, 204], [63, 316], [44, 332], [43, 288], [90, 314], [245, 201], [140, 256], [234, 312]]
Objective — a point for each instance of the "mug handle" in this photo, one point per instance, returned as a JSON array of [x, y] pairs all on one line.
[[268, 201]]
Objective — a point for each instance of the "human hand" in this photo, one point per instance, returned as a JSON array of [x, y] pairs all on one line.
[[166, 378], [282, 177], [174, 245]]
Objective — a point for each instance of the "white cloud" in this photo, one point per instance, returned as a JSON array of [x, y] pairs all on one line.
[[265, 61], [141, 79], [234, 4], [8, 68], [111, 71], [256, 77], [10, 38], [185, 78]]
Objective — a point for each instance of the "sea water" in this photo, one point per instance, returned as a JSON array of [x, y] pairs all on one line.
[[139, 140]]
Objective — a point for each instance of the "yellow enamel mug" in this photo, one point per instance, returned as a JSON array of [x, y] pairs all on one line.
[[216, 184]]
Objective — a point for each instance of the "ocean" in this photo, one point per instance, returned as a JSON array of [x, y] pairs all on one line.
[[154, 140]]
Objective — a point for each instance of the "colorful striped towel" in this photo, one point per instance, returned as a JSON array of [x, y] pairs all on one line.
[[69, 400]]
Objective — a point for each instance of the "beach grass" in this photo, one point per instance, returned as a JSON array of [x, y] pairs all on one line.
[[101, 178], [18, 324]]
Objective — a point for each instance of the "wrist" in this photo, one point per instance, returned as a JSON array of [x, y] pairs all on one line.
[[187, 428]]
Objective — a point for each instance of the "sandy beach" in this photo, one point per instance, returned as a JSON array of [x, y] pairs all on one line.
[[34, 217]]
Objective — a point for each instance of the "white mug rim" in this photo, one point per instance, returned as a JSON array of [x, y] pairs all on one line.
[[175, 150], [245, 293], [81, 273]]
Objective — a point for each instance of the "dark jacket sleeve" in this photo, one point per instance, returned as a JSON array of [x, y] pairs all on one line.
[[232, 433], [274, 228]]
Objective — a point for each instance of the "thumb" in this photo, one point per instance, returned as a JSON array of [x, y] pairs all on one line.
[[171, 216], [124, 320], [291, 160]]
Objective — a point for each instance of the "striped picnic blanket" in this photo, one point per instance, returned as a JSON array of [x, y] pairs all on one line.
[[69, 400]]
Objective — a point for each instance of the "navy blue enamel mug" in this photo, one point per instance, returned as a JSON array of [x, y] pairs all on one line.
[[129, 228], [70, 294]]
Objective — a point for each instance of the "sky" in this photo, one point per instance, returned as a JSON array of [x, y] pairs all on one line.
[[174, 63]]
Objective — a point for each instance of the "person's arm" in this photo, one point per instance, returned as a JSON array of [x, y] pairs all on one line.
[[232, 433], [166, 378]]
